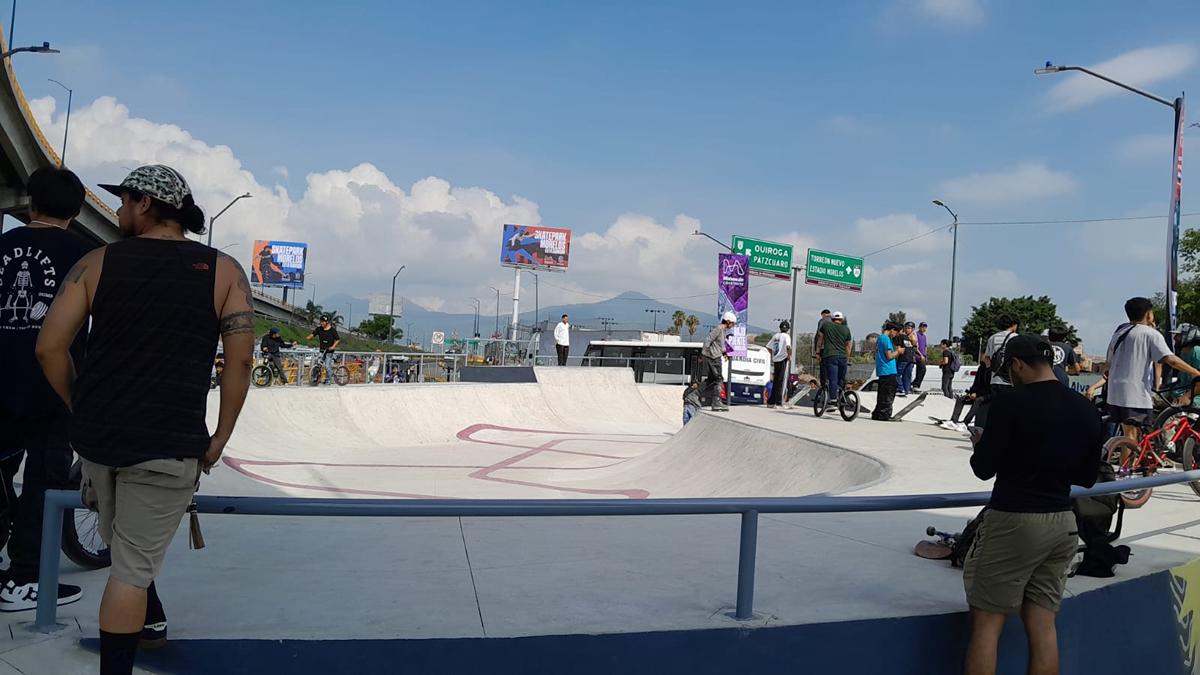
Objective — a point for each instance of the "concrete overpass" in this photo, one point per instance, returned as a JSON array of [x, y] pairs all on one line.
[[26, 149]]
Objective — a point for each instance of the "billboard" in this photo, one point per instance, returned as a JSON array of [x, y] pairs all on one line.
[[278, 263], [834, 270], [541, 247], [379, 304], [767, 258], [733, 294]]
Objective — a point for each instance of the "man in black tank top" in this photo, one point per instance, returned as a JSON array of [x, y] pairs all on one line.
[[155, 299], [33, 420]]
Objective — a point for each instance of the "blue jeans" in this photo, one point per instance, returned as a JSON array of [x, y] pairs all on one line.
[[906, 375], [689, 411], [835, 369], [329, 365]]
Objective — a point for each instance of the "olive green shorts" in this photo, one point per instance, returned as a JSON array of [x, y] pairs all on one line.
[[1018, 558], [139, 508]]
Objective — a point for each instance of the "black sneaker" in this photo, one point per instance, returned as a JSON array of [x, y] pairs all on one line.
[[154, 635], [16, 597]]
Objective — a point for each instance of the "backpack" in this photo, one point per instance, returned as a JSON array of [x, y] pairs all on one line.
[[1093, 518], [955, 363], [962, 545], [999, 367]]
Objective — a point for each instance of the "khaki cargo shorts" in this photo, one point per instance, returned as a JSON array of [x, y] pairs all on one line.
[[1019, 557], [139, 509]]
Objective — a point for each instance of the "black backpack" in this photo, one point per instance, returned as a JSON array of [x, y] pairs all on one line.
[[1093, 517], [962, 545]]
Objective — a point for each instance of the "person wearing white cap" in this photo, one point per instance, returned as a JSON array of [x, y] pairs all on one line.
[[714, 355], [834, 346]]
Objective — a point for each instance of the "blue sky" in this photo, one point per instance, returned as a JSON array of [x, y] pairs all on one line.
[[633, 123]]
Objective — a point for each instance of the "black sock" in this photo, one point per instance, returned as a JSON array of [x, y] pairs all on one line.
[[154, 608], [117, 651]]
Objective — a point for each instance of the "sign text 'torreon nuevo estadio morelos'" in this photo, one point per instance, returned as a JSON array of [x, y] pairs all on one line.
[[767, 258], [834, 270]]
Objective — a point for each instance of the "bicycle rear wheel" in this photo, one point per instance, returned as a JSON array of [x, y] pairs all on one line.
[[1191, 461], [1113, 449], [261, 376], [315, 377], [81, 540], [820, 401], [848, 405]]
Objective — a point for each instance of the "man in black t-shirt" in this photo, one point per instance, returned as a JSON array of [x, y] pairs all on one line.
[[272, 342], [34, 261], [1065, 361], [328, 339], [1041, 438]]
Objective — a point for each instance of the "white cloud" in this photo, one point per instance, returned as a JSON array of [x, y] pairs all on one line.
[[952, 12], [876, 233], [1139, 68], [1145, 147], [1024, 182]]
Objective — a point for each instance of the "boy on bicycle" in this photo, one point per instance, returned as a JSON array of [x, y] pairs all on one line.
[[328, 339], [272, 342]]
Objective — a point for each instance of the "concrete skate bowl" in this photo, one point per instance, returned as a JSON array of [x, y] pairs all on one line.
[[575, 433]]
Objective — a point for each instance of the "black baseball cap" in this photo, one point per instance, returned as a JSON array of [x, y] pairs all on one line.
[[922, 325], [1027, 346], [324, 317]]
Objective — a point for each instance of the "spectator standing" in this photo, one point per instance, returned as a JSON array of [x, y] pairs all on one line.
[[922, 354], [906, 361], [1065, 362], [33, 418], [714, 354], [155, 298], [834, 346], [1134, 351], [885, 372], [562, 339], [1041, 439], [993, 360], [950, 363], [780, 347], [826, 317]]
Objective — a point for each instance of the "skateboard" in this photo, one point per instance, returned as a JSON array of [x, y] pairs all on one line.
[[941, 548], [896, 417]]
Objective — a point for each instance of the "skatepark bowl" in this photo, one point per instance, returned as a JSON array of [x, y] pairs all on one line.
[[519, 459]]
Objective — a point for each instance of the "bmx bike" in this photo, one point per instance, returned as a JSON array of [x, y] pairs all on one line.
[[340, 373], [267, 373], [81, 540], [847, 403]]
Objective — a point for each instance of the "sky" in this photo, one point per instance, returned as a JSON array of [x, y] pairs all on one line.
[[396, 133]]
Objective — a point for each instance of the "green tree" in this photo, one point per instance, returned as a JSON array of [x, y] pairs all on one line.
[[897, 317], [375, 327], [678, 318], [1033, 314], [312, 311], [693, 322]]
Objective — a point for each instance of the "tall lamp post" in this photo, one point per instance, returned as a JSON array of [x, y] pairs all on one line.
[[219, 213], [392, 307], [1173, 214], [62, 158], [43, 48], [476, 324], [656, 312], [953, 268], [497, 309]]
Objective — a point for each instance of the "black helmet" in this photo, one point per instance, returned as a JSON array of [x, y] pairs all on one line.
[[325, 318], [1189, 335], [785, 326], [274, 330]]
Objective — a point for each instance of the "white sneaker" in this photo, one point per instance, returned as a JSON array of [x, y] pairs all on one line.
[[18, 598]]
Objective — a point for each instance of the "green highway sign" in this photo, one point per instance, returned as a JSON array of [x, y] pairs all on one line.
[[834, 270], [767, 258]]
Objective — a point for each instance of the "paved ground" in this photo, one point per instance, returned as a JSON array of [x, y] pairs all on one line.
[[313, 578]]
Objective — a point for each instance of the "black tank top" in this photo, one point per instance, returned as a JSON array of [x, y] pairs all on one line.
[[144, 387]]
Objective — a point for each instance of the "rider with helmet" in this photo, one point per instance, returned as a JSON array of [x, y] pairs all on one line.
[[1187, 347], [834, 346], [271, 343], [714, 352], [780, 347]]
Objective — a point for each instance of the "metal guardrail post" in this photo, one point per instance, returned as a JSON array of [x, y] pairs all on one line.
[[46, 620], [746, 559]]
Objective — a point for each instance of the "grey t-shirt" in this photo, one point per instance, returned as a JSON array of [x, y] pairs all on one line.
[[1131, 367], [994, 344], [714, 344]]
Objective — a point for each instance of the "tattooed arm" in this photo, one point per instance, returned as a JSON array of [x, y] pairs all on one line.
[[235, 307], [66, 316]]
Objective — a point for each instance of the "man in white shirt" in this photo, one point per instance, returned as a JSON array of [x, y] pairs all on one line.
[[562, 340], [780, 347]]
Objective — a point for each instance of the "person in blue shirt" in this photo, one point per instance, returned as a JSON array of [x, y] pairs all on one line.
[[885, 371]]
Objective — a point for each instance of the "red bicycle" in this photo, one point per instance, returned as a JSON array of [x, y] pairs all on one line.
[[1172, 443]]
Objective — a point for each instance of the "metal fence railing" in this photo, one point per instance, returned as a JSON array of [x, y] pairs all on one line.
[[747, 508], [376, 367], [646, 369]]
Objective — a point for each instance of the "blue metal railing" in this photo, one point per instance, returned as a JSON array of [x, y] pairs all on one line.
[[749, 509]]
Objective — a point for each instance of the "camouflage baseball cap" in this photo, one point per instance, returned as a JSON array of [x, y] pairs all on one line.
[[158, 181]]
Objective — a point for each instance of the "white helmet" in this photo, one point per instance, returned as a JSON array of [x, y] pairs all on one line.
[[729, 317]]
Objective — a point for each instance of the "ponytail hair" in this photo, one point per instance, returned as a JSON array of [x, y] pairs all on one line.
[[190, 216]]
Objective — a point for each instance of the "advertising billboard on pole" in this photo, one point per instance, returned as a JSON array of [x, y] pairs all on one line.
[[733, 295], [279, 264], [539, 247], [834, 270]]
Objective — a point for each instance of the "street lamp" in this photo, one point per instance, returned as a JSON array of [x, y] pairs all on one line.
[[497, 309], [698, 233], [44, 48], [392, 307], [1176, 177], [62, 158], [656, 312], [477, 305], [214, 218], [953, 267]]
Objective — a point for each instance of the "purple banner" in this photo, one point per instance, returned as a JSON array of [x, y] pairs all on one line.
[[733, 294]]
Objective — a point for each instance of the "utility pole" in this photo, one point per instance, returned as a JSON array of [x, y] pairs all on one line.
[[607, 322]]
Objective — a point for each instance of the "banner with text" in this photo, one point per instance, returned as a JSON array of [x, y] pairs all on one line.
[[767, 258], [278, 263], [538, 247], [834, 270], [733, 295]]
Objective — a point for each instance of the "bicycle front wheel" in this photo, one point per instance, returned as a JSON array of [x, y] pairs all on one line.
[[1127, 468], [261, 376], [81, 540], [820, 401], [1191, 461], [848, 405], [341, 375], [315, 378]]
